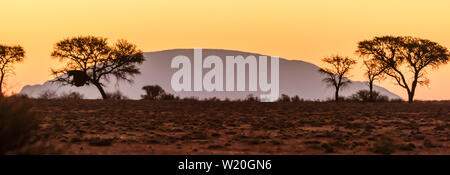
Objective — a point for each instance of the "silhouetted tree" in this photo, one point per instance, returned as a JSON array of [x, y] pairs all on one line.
[[337, 72], [9, 55], [401, 55], [374, 71], [153, 92], [90, 59]]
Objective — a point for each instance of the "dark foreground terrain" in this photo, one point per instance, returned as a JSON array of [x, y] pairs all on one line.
[[193, 127]]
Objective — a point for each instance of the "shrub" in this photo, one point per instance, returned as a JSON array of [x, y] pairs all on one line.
[[396, 100], [251, 97], [212, 99], [364, 96], [71, 95], [117, 95], [17, 124], [384, 145], [48, 94], [153, 92], [296, 98], [193, 98], [341, 98], [156, 92], [169, 97], [284, 98]]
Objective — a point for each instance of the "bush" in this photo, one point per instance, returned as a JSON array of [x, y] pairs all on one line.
[[252, 98], [340, 99], [284, 98], [296, 98], [169, 97], [116, 96], [17, 124], [71, 95], [212, 99], [364, 96], [193, 98], [384, 145], [153, 92], [397, 100], [48, 94], [156, 92]]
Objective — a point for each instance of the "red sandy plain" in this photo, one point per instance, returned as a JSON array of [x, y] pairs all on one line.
[[212, 127]]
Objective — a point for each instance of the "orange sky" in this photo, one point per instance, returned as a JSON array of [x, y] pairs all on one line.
[[293, 29]]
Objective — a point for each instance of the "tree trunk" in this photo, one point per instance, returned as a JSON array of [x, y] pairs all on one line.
[[410, 98], [1, 84], [411, 94], [336, 95], [413, 88], [371, 91], [100, 88]]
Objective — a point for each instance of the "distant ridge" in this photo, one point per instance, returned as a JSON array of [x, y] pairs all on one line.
[[296, 78]]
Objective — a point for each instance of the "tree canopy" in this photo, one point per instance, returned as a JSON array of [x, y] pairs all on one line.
[[90, 60], [401, 56], [336, 72], [9, 55]]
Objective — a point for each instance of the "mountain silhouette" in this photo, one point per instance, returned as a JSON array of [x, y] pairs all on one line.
[[296, 78]]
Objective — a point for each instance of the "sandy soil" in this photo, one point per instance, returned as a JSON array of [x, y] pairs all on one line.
[[192, 127]]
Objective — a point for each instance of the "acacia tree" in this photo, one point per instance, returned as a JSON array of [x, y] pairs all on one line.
[[374, 71], [9, 55], [403, 56], [90, 59], [337, 71]]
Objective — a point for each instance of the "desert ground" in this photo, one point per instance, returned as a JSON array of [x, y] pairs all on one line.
[[227, 127]]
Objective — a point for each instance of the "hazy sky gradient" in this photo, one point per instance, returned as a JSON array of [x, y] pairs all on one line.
[[305, 30]]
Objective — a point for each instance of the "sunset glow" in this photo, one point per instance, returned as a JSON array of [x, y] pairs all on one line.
[[291, 29]]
